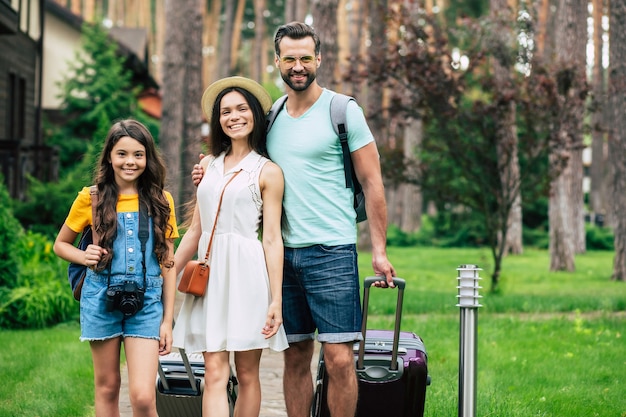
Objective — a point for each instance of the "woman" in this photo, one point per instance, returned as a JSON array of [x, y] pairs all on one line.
[[241, 311]]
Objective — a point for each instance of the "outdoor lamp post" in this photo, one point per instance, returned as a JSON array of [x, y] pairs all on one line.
[[468, 304]]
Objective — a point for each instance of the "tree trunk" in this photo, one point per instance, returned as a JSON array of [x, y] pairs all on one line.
[[617, 132], [157, 41], [325, 23], [182, 90], [343, 45], [566, 200], [411, 216], [559, 213], [191, 134], [597, 171], [503, 14], [545, 29], [259, 52], [173, 88], [225, 41], [578, 56], [377, 33], [211, 41], [356, 29], [235, 47], [296, 10]]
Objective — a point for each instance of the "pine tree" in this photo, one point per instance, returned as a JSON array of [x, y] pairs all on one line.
[[97, 84]]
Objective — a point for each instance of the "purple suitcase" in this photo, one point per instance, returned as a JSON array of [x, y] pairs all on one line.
[[384, 389]]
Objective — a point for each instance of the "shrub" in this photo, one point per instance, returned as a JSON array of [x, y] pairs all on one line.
[[10, 232], [600, 238], [39, 295], [37, 306], [459, 228], [537, 238], [397, 237], [47, 204]]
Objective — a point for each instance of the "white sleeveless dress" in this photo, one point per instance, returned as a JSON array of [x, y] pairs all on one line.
[[232, 312]]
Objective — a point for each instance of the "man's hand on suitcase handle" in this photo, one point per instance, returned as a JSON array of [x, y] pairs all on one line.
[[383, 269]]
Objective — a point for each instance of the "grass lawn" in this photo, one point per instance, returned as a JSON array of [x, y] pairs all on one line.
[[545, 365], [45, 373], [549, 344]]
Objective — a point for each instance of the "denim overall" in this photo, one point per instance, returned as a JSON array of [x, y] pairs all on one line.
[[99, 324]]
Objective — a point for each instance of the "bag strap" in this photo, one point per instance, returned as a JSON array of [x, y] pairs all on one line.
[[93, 192], [276, 108], [144, 234], [338, 110], [219, 205]]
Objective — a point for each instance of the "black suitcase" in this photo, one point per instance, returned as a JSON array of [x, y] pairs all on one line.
[[392, 369], [180, 384]]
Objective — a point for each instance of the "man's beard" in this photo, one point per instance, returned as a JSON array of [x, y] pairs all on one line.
[[310, 77]]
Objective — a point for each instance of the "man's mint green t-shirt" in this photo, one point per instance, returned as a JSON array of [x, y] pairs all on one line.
[[318, 206]]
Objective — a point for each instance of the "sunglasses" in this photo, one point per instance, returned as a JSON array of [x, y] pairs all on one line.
[[291, 60]]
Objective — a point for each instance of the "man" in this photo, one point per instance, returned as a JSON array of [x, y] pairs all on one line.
[[321, 281]]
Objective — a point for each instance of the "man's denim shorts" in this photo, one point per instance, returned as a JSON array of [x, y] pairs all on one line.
[[98, 324], [321, 291]]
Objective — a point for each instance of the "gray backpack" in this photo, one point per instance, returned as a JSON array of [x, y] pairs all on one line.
[[338, 106]]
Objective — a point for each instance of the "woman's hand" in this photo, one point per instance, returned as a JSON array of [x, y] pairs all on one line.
[[165, 338], [274, 320]]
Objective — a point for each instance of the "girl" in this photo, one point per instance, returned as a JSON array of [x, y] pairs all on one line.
[[126, 297], [241, 310]]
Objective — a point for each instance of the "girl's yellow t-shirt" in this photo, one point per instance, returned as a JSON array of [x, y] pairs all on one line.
[[79, 216]]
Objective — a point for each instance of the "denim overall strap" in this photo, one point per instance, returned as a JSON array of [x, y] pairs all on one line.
[[144, 233]]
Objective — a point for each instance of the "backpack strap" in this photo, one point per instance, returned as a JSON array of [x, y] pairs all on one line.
[[338, 109], [276, 108], [93, 192]]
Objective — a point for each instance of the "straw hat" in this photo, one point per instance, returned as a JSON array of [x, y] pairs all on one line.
[[212, 91]]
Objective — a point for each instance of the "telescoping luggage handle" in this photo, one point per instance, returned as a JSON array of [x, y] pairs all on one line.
[[192, 379], [367, 284]]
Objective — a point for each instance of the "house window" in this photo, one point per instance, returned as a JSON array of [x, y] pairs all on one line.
[[17, 107]]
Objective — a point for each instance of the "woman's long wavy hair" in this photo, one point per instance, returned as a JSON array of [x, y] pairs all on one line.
[[219, 140], [150, 186]]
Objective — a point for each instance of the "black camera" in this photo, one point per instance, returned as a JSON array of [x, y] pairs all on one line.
[[126, 297]]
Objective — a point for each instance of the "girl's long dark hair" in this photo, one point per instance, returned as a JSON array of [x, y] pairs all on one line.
[[150, 187], [220, 142]]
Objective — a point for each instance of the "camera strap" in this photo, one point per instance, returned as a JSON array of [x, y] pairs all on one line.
[[144, 233]]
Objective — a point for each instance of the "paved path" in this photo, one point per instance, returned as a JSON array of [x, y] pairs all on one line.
[[272, 401]]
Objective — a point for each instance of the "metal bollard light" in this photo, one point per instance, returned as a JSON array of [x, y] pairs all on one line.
[[468, 302]]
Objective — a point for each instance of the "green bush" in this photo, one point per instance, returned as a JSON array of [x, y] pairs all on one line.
[[396, 237], [47, 204], [10, 232], [537, 238], [38, 294], [37, 306], [600, 238]]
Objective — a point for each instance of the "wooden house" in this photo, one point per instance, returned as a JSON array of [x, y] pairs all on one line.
[[22, 152], [37, 40]]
